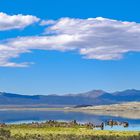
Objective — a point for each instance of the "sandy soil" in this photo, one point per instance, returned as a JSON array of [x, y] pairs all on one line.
[[126, 110]]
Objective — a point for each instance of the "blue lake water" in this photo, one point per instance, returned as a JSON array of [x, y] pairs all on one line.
[[40, 116]]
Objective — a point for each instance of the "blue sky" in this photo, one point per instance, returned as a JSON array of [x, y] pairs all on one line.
[[106, 58]]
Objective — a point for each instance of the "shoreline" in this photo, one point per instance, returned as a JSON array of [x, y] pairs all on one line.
[[129, 110], [130, 114]]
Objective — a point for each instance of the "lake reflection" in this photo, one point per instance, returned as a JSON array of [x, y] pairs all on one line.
[[29, 116]]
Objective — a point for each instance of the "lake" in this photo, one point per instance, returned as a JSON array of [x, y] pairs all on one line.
[[40, 116]]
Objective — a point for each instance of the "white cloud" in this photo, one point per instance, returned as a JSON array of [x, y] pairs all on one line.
[[94, 38], [100, 38], [8, 22], [12, 48], [47, 22]]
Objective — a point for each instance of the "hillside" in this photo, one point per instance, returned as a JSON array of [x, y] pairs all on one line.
[[94, 97]]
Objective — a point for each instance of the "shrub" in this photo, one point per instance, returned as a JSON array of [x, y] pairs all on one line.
[[5, 133]]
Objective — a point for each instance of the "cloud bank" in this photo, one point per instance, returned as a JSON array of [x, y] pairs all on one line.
[[8, 22], [94, 38]]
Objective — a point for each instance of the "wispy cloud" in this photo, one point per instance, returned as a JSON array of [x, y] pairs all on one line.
[[99, 38], [94, 38], [8, 22]]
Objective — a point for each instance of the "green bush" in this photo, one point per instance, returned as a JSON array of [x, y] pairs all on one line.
[[5, 133]]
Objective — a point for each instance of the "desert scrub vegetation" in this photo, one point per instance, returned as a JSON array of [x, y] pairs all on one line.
[[23, 132], [53, 130]]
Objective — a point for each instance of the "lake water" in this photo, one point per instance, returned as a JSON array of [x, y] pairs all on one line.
[[40, 116]]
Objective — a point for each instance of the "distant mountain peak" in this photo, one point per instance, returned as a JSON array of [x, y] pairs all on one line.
[[93, 93], [93, 97], [128, 92]]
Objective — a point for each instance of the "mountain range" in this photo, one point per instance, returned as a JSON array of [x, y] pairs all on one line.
[[94, 97]]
